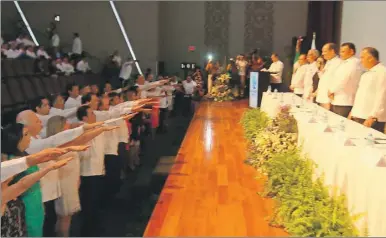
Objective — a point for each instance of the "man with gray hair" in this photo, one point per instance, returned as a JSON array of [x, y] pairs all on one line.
[[312, 68], [50, 183]]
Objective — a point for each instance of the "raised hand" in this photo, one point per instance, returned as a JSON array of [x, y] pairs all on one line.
[[45, 155], [77, 148], [129, 116], [60, 163], [93, 125], [110, 128], [137, 108]]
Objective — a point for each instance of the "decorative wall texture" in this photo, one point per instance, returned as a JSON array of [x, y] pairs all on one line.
[[258, 27], [217, 16]]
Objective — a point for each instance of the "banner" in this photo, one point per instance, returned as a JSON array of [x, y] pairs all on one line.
[[253, 89]]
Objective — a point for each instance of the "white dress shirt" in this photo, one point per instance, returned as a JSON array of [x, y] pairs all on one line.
[[67, 113], [242, 67], [13, 54], [122, 131], [92, 160], [298, 79], [30, 54], [169, 92], [345, 82], [43, 53], [27, 42], [117, 59], [73, 103], [82, 66], [189, 86], [66, 68], [77, 46], [158, 92], [55, 40], [13, 167], [308, 79], [276, 70], [126, 70], [326, 79], [50, 182], [370, 100]]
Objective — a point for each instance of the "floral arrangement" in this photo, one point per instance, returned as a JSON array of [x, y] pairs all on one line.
[[220, 90], [303, 205]]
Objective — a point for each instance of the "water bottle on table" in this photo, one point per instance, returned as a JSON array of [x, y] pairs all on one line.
[[269, 90], [275, 93], [342, 126], [370, 140]]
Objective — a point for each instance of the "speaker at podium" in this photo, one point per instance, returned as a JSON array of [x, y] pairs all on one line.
[[258, 84]]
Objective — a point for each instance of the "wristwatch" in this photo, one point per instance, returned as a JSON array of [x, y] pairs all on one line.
[[374, 119]]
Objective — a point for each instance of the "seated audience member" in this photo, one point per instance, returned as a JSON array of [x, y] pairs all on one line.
[[42, 53], [30, 52], [370, 101], [4, 49], [13, 52], [25, 40], [82, 66], [66, 67]]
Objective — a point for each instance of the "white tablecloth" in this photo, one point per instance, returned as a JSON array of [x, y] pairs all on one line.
[[357, 171]]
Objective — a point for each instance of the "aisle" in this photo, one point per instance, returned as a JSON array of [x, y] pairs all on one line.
[[210, 191]]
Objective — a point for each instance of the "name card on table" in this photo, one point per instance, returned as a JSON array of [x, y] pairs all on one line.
[[342, 139], [372, 157]]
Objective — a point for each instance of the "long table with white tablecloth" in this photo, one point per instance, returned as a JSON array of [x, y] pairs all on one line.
[[342, 152]]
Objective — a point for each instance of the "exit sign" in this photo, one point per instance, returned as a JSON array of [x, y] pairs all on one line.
[[191, 48], [188, 65]]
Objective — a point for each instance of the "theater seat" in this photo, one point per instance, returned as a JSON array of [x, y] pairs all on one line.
[[38, 86], [15, 90], [7, 69], [17, 65], [6, 99], [56, 87], [27, 88], [48, 84], [28, 66], [62, 80]]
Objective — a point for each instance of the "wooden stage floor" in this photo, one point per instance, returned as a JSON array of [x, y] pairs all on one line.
[[210, 191]]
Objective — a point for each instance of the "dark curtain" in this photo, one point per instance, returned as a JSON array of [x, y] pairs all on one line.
[[324, 18]]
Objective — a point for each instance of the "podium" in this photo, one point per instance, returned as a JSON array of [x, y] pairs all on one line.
[[258, 84]]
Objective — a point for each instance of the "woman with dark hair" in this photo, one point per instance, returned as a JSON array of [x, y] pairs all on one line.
[[15, 139]]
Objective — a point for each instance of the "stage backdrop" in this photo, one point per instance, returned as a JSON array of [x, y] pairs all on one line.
[[363, 24]]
